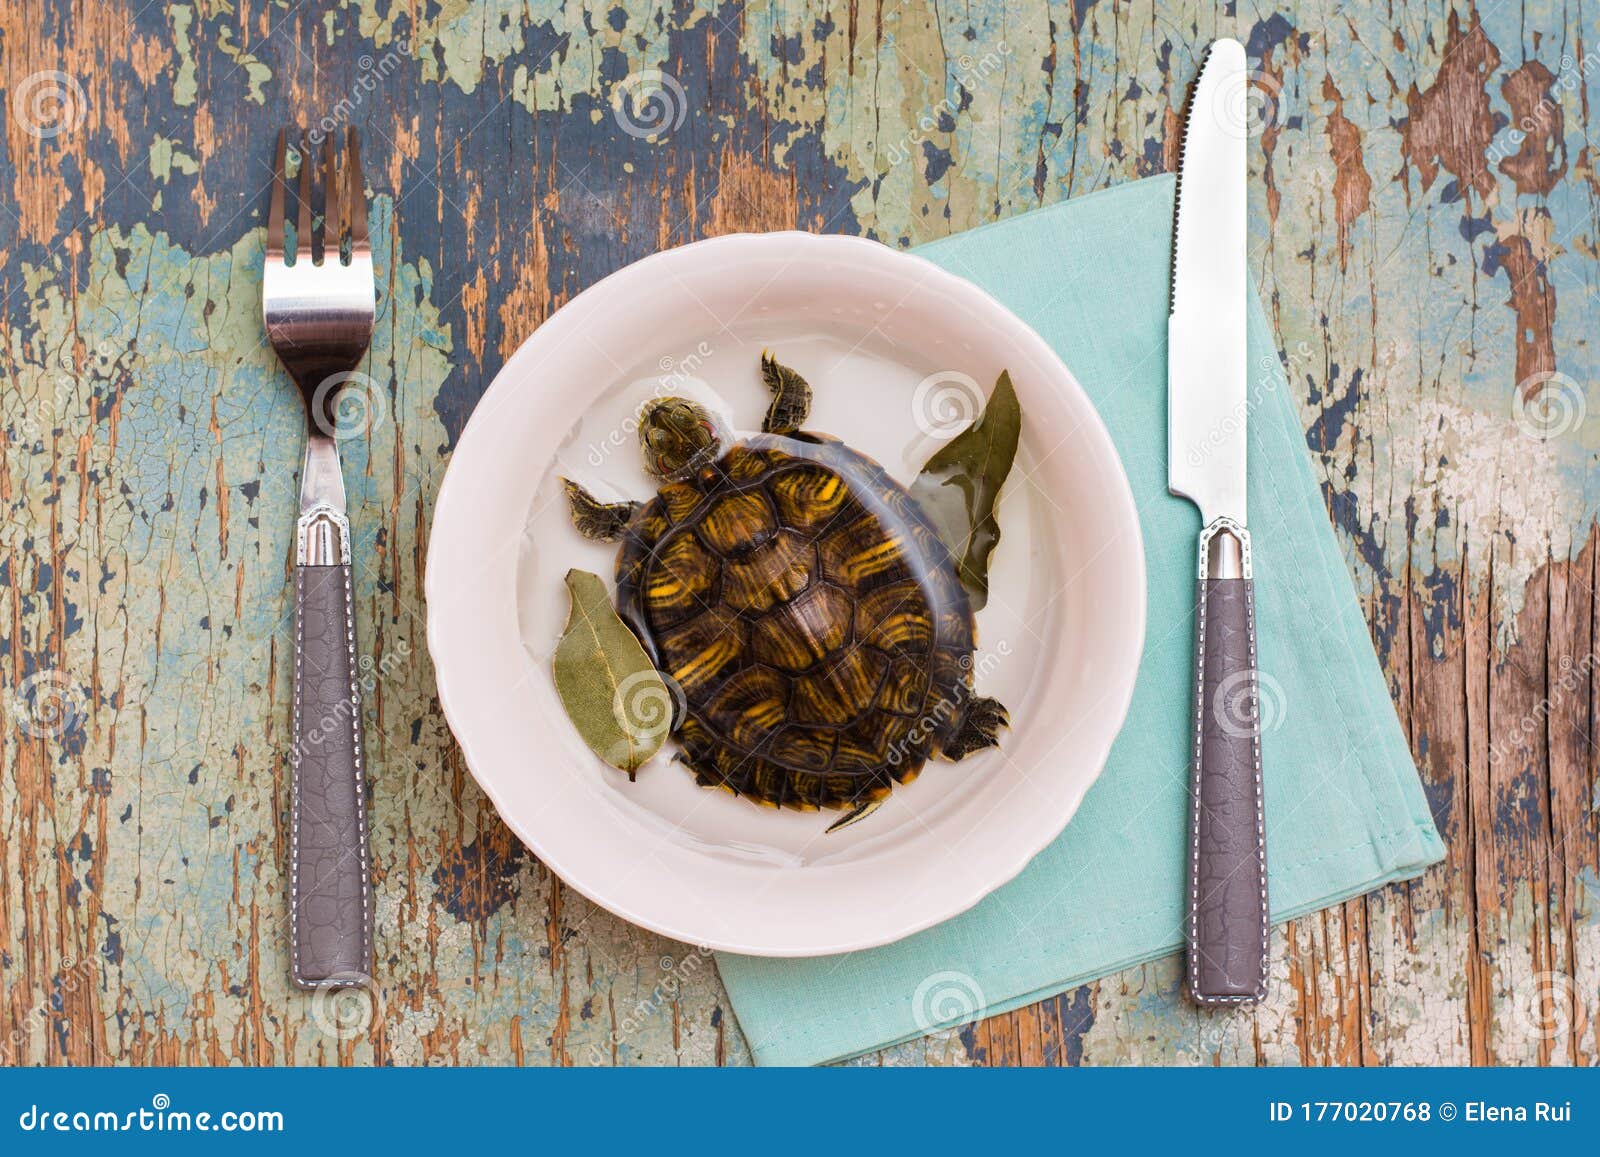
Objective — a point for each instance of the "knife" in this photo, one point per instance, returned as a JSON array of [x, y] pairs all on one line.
[[1206, 420]]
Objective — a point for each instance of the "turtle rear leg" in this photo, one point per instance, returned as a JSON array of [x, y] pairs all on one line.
[[979, 726], [791, 397], [601, 521]]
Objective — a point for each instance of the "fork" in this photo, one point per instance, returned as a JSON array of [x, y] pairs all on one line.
[[318, 310]]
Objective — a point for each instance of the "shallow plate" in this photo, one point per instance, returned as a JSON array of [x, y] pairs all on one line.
[[894, 348]]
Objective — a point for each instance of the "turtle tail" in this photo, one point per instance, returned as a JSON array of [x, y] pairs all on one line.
[[978, 726]]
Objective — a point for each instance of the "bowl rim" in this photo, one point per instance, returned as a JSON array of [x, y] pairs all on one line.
[[1111, 711]]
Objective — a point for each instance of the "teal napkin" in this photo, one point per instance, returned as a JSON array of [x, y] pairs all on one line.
[[1345, 809]]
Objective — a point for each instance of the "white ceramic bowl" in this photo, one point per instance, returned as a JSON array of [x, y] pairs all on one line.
[[881, 335]]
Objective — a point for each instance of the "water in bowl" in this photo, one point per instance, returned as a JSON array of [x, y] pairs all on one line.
[[898, 413]]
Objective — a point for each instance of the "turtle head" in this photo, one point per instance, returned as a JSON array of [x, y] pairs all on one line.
[[678, 437]]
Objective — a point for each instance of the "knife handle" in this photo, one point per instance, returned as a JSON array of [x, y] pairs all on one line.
[[1228, 915], [330, 906]]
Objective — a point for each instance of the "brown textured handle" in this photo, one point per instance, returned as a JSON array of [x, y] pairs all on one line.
[[1228, 864], [330, 903]]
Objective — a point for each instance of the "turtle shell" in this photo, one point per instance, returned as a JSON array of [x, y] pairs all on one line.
[[810, 616]]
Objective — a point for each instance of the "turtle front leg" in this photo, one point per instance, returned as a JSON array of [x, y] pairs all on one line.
[[791, 397], [980, 725], [601, 521]]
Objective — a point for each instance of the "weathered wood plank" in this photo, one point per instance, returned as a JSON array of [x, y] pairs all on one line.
[[1426, 212]]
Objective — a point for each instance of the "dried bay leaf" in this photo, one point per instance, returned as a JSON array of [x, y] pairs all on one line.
[[960, 484], [611, 691]]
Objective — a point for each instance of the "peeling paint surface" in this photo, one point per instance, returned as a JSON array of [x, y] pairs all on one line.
[[1425, 233]]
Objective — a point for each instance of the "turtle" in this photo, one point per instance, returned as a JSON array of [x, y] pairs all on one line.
[[810, 620]]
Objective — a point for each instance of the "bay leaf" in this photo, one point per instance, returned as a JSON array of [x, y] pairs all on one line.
[[960, 484], [611, 691]]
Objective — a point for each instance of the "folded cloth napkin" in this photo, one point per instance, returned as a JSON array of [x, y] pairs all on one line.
[[1345, 809]]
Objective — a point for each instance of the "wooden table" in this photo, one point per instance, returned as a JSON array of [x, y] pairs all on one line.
[[1424, 204]]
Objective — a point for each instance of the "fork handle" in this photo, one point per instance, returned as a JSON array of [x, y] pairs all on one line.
[[330, 901], [1228, 867]]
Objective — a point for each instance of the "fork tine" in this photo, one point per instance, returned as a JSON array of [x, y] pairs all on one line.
[[355, 194], [332, 235], [302, 233], [275, 212]]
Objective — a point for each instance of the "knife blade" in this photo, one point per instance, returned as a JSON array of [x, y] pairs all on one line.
[[1207, 420], [1206, 378]]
